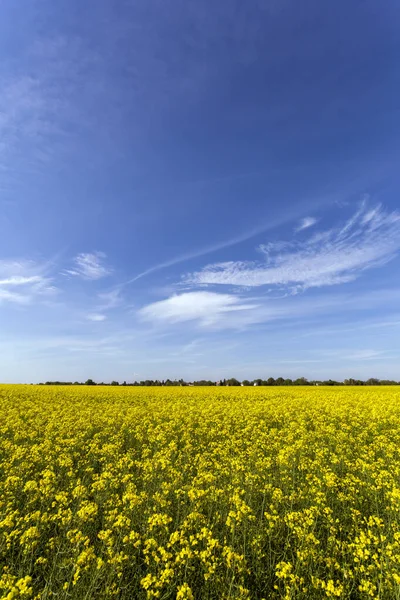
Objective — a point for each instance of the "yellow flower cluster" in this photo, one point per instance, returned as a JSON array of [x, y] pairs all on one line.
[[199, 493]]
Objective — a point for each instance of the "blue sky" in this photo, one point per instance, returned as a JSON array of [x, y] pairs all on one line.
[[199, 189]]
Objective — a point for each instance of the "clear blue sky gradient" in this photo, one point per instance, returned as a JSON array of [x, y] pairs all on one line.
[[199, 189]]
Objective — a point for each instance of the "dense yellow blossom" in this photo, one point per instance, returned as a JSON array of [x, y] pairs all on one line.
[[199, 493]]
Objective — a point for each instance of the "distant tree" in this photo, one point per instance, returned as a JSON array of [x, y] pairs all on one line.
[[233, 382], [301, 381], [352, 381]]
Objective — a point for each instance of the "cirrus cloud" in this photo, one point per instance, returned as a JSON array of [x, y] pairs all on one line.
[[370, 238], [306, 223], [206, 307], [89, 266], [23, 280], [96, 317]]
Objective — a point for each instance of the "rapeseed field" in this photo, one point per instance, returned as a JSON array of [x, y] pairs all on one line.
[[199, 493]]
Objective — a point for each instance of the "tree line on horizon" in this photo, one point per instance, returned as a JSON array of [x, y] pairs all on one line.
[[280, 381]]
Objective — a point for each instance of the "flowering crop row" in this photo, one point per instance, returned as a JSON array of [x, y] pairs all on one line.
[[199, 493]]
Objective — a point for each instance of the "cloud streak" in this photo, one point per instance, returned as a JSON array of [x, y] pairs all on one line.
[[243, 237], [205, 307], [370, 238], [89, 266], [96, 317], [219, 311], [21, 281], [306, 223]]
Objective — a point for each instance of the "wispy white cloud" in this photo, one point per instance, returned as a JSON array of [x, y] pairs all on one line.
[[221, 311], [21, 281], [364, 354], [306, 223], [89, 266], [201, 252], [214, 310], [355, 327], [370, 238], [356, 354], [110, 299], [7, 296], [96, 317], [205, 307], [243, 237], [30, 129], [17, 280], [39, 100], [105, 301]]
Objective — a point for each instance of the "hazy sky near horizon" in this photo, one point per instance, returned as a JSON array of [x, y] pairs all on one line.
[[199, 189]]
